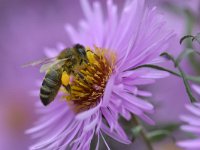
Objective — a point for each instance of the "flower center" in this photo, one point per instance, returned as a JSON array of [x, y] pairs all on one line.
[[88, 83]]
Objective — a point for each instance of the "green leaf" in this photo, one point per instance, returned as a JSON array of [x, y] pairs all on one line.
[[157, 135], [171, 127], [168, 56], [184, 54], [186, 83], [192, 78], [157, 68], [136, 130], [187, 86], [185, 37], [194, 38], [159, 132], [168, 127]]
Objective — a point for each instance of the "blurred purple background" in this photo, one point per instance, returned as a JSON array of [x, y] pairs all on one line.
[[26, 28]]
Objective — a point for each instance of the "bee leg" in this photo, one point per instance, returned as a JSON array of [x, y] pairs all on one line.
[[82, 77], [81, 62], [68, 88]]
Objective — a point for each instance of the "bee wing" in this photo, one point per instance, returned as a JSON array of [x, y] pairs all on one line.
[[54, 65], [39, 62], [45, 67]]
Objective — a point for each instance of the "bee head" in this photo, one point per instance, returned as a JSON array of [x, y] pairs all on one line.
[[81, 52]]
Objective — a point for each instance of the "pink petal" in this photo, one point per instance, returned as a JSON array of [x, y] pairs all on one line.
[[188, 128], [191, 120], [157, 60], [193, 109], [139, 81], [86, 9], [88, 113], [156, 74], [194, 143], [49, 52], [134, 100], [72, 33], [115, 136], [92, 124], [196, 88], [108, 91]]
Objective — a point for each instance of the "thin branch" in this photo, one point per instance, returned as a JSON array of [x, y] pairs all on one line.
[[191, 78], [142, 133]]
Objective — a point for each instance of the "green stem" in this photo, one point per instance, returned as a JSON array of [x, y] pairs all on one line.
[[183, 75], [190, 21], [142, 133], [191, 78]]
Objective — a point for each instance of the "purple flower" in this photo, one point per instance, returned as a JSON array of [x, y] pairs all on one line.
[[109, 88], [193, 124], [196, 88]]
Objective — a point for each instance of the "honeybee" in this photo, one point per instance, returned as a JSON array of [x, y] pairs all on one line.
[[65, 62]]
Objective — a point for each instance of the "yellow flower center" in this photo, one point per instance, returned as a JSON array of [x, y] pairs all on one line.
[[88, 84]]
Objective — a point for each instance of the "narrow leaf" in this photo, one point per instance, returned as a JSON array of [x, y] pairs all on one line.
[[158, 135], [185, 37], [136, 130], [186, 83], [184, 54], [192, 78], [155, 67], [196, 38]]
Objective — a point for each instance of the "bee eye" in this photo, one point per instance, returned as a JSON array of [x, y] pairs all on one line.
[[80, 49]]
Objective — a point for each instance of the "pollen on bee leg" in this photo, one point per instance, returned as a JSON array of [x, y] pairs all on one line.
[[90, 55], [65, 78]]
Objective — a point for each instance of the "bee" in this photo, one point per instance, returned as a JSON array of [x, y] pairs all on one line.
[[65, 63]]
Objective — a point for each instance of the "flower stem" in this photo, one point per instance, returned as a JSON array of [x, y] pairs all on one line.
[[142, 133], [188, 77]]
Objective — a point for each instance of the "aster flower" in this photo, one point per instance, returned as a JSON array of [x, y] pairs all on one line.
[[109, 88], [193, 124], [196, 88]]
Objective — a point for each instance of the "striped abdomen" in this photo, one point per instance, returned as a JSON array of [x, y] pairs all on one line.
[[50, 86]]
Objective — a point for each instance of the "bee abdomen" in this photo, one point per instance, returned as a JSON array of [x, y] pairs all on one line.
[[50, 86], [49, 82], [45, 90]]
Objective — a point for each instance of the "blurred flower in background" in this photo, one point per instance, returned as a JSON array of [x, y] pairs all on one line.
[[192, 125]]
